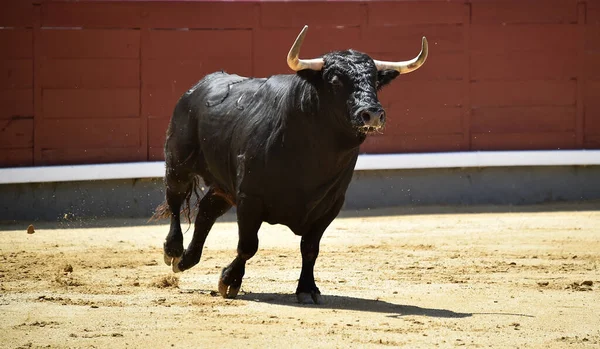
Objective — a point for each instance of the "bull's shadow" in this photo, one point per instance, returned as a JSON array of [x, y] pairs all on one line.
[[353, 303], [362, 304]]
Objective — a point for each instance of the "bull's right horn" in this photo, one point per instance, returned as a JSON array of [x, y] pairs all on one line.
[[296, 63], [407, 66]]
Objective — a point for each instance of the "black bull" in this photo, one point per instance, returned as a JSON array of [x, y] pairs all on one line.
[[281, 149]]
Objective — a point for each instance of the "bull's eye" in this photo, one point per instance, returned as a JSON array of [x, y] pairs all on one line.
[[336, 81]]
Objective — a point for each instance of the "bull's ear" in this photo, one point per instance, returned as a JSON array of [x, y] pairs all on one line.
[[384, 77]]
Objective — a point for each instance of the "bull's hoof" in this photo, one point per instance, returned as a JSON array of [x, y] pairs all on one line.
[[175, 265], [172, 261], [227, 291], [309, 298]]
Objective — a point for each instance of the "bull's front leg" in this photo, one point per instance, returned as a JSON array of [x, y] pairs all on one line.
[[307, 291], [249, 214]]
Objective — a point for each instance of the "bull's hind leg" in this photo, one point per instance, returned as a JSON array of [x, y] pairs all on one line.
[[249, 217], [210, 208], [178, 188]]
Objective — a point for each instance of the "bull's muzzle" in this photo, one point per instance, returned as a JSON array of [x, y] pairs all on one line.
[[373, 118]]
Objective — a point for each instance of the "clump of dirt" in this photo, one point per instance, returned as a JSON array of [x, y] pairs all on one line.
[[65, 276], [168, 281], [584, 286], [30, 229], [67, 268]]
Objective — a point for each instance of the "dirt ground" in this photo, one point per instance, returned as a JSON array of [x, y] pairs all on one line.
[[417, 278]]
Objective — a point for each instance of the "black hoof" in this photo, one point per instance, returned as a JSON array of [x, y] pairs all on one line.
[[309, 298], [227, 291], [187, 261], [172, 257], [230, 282], [173, 250]]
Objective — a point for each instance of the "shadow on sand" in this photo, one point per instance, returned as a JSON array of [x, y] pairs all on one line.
[[362, 304], [102, 222]]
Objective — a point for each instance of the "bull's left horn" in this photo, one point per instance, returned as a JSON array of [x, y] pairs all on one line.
[[406, 66], [296, 63]]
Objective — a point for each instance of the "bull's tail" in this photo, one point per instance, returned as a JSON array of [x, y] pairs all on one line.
[[163, 211]]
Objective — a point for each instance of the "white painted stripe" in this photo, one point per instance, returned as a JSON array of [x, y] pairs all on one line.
[[479, 159], [365, 162]]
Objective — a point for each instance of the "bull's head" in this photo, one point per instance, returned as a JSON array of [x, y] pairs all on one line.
[[354, 78]]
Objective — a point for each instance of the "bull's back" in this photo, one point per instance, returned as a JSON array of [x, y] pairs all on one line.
[[216, 110]]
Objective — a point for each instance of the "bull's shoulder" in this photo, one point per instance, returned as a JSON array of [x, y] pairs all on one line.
[[215, 88]]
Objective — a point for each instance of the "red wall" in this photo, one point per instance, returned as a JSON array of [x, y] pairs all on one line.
[[96, 81]]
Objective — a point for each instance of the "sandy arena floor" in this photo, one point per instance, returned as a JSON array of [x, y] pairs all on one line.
[[391, 278]]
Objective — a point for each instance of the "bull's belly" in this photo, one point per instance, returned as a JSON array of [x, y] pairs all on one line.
[[299, 212]]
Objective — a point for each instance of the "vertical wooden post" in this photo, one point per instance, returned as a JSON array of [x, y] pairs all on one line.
[[581, 80], [466, 106]]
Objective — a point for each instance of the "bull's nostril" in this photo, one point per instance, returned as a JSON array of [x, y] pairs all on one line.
[[366, 116]]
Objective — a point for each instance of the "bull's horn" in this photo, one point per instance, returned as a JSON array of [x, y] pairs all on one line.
[[296, 63], [406, 66]]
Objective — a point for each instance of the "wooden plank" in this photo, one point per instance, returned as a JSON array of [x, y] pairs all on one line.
[[16, 43], [16, 133], [207, 15], [592, 121], [581, 76], [592, 37], [157, 130], [198, 44], [593, 12], [90, 73], [156, 154], [523, 119], [91, 103], [423, 120], [522, 65], [16, 73], [465, 69], [411, 144], [38, 113], [159, 102], [90, 156], [591, 93], [592, 108], [523, 93], [391, 13], [524, 11], [592, 141], [524, 141], [180, 75], [529, 37], [16, 13], [101, 14], [84, 43], [16, 103], [16, 157], [591, 63], [317, 14], [272, 45], [89, 133], [406, 40], [438, 93]]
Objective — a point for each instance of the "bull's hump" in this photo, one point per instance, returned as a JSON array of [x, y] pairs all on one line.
[[222, 85]]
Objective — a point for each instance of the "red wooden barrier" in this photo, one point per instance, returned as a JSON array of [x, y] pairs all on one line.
[[96, 81]]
